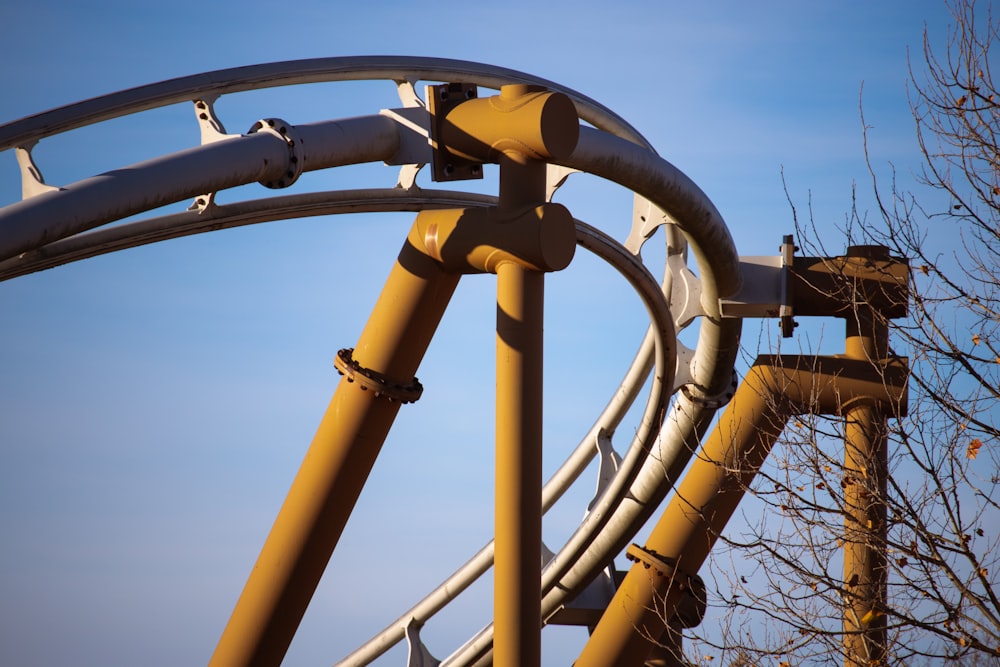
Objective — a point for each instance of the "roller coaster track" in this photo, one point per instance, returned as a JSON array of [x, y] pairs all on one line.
[[52, 226]]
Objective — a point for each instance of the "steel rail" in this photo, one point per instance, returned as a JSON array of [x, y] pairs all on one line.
[[142, 232], [600, 153], [30, 129]]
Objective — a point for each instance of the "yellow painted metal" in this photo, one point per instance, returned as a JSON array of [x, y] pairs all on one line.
[[537, 236], [521, 127], [336, 466], [774, 389], [523, 122], [520, 239], [866, 470], [518, 513]]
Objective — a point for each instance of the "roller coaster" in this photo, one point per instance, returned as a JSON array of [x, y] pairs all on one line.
[[465, 115]]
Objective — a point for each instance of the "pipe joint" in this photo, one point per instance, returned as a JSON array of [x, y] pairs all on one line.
[[378, 384], [525, 120], [478, 240], [296, 160]]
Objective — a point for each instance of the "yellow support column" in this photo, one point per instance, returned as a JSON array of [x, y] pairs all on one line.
[[518, 513], [379, 375], [519, 240], [520, 128], [774, 389], [866, 468]]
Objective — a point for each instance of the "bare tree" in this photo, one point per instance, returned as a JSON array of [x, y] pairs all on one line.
[[941, 497]]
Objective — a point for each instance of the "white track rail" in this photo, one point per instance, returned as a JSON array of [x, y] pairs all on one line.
[[50, 227]]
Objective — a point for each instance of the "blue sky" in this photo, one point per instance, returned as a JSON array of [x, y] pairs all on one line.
[[155, 403]]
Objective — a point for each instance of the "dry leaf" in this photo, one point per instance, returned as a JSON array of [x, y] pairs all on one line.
[[972, 451], [975, 339]]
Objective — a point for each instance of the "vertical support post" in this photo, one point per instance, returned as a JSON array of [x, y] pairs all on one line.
[[517, 584], [336, 466], [866, 468], [517, 559]]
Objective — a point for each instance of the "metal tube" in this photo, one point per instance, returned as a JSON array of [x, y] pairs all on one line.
[[252, 158], [517, 558], [517, 583], [774, 389], [336, 466], [686, 531], [866, 468]]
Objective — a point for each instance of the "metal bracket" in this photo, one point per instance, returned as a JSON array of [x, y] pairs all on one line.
[[785, 312], [691, 607], [441, 99], [555, 176], [211, 127], [417, 654], [414, 136], [683, 373], [767, 288], [685, 291], [288, 133], [712, 402], [212, 130], [376, 382], [646, 217], [414, 150], [588, 606], [32, 182], [610, 462]]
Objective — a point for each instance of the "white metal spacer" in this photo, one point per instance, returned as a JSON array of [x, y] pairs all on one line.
[[610, 463], [646, 217], [418, 655], [555, 176], [32, 182]]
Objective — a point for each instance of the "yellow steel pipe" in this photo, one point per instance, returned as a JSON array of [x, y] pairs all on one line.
[[773, 390], [523, 237], [866, 469], [518, 513], [336, 466]]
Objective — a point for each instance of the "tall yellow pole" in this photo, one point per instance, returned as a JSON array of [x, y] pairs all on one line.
[[865, 477], [520, 239], [517, 583], [518, 513], [336, 465]]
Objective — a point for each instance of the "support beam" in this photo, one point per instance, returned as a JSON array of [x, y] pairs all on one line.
[[336, 465], [774, 389], [866, 470]]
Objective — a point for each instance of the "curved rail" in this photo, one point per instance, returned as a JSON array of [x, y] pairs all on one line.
[[43, 231]]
